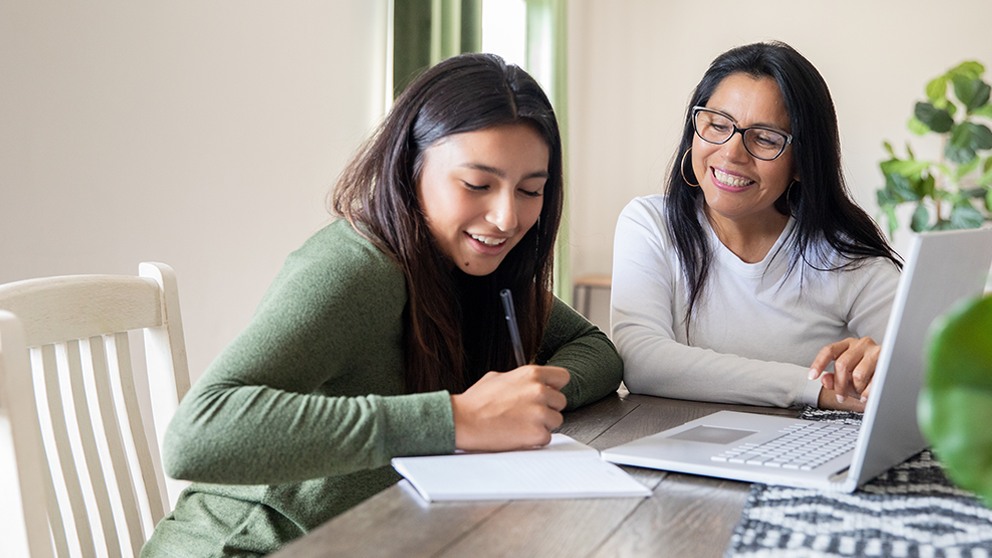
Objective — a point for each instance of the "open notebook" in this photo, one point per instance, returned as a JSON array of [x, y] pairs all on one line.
[[562, 469], [941, 269]]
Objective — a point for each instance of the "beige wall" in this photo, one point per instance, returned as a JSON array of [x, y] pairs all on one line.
[[206, 134], [200, 134], [633, 64]]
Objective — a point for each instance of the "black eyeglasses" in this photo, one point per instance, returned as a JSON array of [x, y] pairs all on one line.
[[717, 128]]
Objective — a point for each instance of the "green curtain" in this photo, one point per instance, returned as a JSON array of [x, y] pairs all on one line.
[[547, 61], [428, 31]]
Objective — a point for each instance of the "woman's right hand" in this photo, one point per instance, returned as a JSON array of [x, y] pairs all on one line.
[[828, 400], [510, 410], [854, 366]]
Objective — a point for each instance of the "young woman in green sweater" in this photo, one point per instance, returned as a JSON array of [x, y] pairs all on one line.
[[383, 335]]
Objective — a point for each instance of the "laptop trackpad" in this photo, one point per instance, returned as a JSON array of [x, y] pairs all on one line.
[[712, 435]]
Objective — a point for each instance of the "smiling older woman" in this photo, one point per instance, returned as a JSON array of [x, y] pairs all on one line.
[[755, 271]]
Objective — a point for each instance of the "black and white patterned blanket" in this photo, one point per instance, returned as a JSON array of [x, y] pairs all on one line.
[[911, 510]]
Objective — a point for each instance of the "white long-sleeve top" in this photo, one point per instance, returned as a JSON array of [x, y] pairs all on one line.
[[756, 328]]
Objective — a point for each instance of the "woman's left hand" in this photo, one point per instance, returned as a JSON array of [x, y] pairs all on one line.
[[854, 365]]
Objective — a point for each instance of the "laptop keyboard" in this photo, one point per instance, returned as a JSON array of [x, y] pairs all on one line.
[[801, 446]]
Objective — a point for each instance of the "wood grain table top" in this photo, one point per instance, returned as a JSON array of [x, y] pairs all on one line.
[[686, 516]]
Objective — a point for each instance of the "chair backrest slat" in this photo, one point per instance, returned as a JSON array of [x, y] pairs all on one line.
[[69, 384], [115, 440], [17, 397], [63, 450], [54, 513], [85, 423], [121, 356]]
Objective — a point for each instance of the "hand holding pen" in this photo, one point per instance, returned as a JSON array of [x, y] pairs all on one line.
[[510, 410], [511, 322]]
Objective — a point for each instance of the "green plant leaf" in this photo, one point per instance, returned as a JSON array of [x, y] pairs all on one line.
[[972, 92], [963, 88], [888, 166], [957, 417], [986, 178], [888, 148], [985, 111], [969, 69], [966, 138], [921, 217], [958, 154], [981, 96], [965, 169], [988, 198], [908, 168], [901, 187], [951, 109], [886, 198], [927, 187], [938, 120], [981, 135], [988, 164], [955, 404], [965, 216], [937, 89], [959, 337], [960, 136], [917, 127], [890, 218]]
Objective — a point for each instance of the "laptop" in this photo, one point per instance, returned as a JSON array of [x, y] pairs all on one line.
[[941, 269]]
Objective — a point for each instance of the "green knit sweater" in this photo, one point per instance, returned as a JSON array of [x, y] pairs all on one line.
[[298, 417]]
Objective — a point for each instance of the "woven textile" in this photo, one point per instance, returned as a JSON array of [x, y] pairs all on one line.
[[910, 510]]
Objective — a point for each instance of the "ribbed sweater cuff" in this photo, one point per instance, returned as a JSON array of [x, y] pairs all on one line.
[[420, 424]]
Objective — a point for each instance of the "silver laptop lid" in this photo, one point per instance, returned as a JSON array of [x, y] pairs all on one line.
[[941, 269]]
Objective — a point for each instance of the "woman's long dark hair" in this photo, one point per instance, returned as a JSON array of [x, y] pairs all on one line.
[[378, 194], [828, 222]]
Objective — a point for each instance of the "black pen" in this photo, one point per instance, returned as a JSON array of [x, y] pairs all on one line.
[[511, 321]]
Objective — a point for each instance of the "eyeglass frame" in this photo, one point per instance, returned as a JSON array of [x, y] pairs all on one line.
[[738, 130]]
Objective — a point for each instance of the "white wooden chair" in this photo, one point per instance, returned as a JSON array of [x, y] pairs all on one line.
[[86, 432]]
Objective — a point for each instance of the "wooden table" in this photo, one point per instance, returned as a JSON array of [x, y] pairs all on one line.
[[686, 516]]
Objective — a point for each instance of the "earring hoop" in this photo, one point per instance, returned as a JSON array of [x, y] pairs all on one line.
[[682, 170]]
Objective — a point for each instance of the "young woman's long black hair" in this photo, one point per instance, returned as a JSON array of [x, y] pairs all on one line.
[[378, 194], [828, 222]]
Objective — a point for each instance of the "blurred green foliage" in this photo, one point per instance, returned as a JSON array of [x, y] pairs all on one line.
[[955, 191], [955, 405]]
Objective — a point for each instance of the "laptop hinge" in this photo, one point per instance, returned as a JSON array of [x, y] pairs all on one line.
[[840, 476]]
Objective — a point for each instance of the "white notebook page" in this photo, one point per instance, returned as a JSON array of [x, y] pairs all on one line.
[[562, 469]]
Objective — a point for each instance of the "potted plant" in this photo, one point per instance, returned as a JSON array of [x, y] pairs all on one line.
[[954, 191]]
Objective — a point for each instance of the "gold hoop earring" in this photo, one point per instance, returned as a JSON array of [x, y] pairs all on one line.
[[682, 170]]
